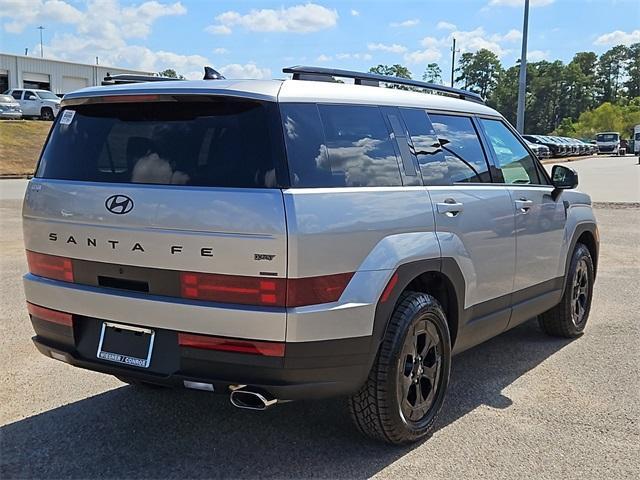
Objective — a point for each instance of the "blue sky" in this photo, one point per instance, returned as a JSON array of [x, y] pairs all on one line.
[[257, 38]]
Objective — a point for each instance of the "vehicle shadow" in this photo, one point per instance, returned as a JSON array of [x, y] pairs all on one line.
[[135, 432]]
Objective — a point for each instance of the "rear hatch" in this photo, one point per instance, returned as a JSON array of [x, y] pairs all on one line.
[[138, 190]]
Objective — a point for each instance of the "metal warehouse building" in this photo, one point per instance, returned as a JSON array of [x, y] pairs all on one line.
[[18, 71]]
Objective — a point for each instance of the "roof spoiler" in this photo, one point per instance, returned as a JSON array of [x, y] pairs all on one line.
[[374, 80]]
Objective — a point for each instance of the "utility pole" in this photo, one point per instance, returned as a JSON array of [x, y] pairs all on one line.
[[41, 28], [522, 84], [453, 58]]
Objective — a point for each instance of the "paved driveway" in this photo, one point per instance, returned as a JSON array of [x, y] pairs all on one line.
[[522, 405]]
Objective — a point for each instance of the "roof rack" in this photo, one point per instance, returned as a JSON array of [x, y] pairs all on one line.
[[374, 79], [128, 78]]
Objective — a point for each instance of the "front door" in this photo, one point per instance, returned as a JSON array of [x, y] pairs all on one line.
[[540, 217], [30, 107]]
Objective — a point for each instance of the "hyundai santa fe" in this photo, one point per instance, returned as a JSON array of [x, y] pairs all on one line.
[[295, 239]]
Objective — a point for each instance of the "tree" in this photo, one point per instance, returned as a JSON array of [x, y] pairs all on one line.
[[611, 65], [633, 71], [479, 71], [432, 74], [170, 73], [396, 70]]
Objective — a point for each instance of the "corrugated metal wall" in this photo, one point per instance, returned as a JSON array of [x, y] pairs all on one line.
[[63, 76]]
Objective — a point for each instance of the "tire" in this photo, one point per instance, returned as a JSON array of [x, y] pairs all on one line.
[[569, 318], [391, 405], [46, 114]]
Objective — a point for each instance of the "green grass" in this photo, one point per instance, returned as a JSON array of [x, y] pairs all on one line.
[[20, 145]]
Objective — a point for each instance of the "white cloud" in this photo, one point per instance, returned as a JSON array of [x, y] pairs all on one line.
[[395, 48], [512, 35], [305, 18], [354, 56], [21, 13], [249, 70], [407, 23], [323, 58], [474, 40], [445, 26], [103, 28], [218, 29], [520, 3], [220, 51], [537, 55], [423, 56], [355, 13], [433, 42], [618, 37]]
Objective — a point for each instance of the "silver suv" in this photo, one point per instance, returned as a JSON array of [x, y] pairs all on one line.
[[283, 240]]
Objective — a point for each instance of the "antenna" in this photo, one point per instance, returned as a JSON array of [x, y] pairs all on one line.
[[212, 74]]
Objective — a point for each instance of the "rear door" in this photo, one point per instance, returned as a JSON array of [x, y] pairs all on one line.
[[169, 186], [474, 218]]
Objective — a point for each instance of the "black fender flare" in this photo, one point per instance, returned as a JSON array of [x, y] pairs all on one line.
[[407, 272], [581, 228]]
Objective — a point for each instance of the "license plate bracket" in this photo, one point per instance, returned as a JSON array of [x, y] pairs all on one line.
[[126, 344]]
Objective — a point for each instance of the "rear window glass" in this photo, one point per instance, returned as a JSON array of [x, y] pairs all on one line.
[[221, 143], [339, 146]]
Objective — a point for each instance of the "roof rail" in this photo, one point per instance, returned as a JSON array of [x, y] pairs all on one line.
[[129, 78], [374, 79]]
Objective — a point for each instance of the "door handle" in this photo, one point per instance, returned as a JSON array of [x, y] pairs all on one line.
[[449, 207], [524, 205]]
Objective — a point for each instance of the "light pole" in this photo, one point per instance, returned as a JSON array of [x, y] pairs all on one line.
[[453, 58], [41, 28], [522, 84]]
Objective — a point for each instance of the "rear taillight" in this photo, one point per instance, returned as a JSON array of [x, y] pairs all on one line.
[[314, 290], [273, 292], [234, 289], [49, 315], [50, 266], [205, 342]]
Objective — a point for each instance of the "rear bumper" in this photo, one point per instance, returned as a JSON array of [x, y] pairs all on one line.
[[308, 369]]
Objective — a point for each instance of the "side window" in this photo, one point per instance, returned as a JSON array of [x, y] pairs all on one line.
[[338, 146], [28, 94], [17, 94], [463, 152], [359, 146], [511, 157], [426, 147], [306, 150]]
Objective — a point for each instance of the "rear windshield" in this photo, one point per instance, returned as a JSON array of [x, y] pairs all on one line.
[[216, 143], [607, 137]]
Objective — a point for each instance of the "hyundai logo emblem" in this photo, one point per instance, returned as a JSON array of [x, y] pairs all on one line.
[[119, 204]]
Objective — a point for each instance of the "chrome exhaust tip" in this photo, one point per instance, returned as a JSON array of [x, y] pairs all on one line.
[[251, 400]]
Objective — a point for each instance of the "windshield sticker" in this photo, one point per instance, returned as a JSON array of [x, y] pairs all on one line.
[[67, 117]]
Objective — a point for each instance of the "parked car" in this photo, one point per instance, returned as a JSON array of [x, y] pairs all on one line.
[[42, 104], [9, 108], [556, 149], [541, 151], [165, 248], [608, 142]]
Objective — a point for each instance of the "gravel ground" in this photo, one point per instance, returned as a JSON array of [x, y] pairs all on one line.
[[520, 406]]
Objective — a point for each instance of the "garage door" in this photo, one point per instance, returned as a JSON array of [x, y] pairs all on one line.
[[36, 80], [69, 84]]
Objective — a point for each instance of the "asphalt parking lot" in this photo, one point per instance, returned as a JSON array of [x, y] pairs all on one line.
[[522, 405]]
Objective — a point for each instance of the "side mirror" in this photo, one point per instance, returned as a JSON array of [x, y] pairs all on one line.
[[564, 178], [32, 97]]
